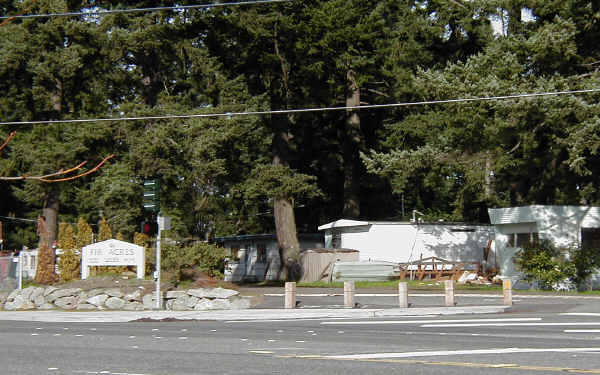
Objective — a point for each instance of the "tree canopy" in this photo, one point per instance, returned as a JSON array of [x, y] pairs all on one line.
[[291, 172]]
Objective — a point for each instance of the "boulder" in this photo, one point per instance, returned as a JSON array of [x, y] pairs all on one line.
[[97, 300], [183, 303], [134, 296], [95, 292], [26, 293], [114, 292], [172, 294], [49, 290], [65, 303], [239, 303], [39, 300], [59, 293], [148, 301], [14, 302], [114, 303], [38, 292], [213, 304], [212, 293], [46, 306], [133, 306]]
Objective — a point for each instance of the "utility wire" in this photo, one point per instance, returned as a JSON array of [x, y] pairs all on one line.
[[139, 10], [303, 110]]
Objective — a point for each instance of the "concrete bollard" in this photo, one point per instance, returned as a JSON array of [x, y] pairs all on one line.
[[449, 287], [403, 295], [290, 295], [507, 292], [349, 294]]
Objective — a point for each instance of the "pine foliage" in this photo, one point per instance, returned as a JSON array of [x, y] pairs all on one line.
[[104, 231]]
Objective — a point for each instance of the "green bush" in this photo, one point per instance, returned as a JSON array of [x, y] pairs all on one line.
[[543, 263], [586, 261], [204, 257]]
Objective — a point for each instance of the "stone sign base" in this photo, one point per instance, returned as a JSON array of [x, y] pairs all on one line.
[[49, 298]]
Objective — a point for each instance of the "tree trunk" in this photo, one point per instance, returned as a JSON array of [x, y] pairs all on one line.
[[283, 210], [351, 147], [47, 230], [50, 215]]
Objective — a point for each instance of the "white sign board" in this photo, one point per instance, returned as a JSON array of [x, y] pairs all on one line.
[[113, 253]]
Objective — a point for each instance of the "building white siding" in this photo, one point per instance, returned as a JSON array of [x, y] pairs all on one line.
[[404, 242], [562, 225]]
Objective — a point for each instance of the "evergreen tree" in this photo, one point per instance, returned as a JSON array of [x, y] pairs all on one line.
[[85, 235], [104, 231]]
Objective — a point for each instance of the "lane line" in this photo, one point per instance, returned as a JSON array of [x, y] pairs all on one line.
[[439, 353], [582, 330], [580, 314], [510, 324], [369, 322]]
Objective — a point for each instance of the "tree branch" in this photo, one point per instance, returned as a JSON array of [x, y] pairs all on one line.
[[10, 137], [48, 177]]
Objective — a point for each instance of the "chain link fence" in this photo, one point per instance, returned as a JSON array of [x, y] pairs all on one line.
[[9, 277]]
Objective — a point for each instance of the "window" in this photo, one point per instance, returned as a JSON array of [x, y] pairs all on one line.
[[32, 261], [520, 239], [336, 240], [261, 253], [235, 253]]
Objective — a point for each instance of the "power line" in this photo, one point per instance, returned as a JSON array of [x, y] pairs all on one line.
[[139, 10], [303, 110]]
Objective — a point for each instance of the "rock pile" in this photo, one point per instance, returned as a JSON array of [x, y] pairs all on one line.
[[116, 299]]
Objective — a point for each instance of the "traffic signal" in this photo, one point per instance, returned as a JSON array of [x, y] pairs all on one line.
[[152, 195], [149, 228]]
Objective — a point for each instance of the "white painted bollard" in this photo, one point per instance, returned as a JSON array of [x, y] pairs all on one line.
[[349, 294], [449, 288], [290, 295], [507, 292], [403, 295]]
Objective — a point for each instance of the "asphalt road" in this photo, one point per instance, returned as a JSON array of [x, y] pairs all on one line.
[[564, 339]]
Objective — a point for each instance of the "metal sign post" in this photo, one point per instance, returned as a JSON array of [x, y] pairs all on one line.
[[164, 223], [157, 272]]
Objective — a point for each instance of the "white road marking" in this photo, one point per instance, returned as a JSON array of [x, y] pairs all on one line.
[[56, 334], [184, 330], [260, 351], [582, 330], [508, 324], [462, 352], [34, 334], [182, 338], [213, 330], [155, 329], [244, 339], [39, 328], [580, 314], [52, 368], [300, 341], [78, 335], [279, 330], [132, 337], [340, 331], [280, 320], [271, 340], [369, 322]]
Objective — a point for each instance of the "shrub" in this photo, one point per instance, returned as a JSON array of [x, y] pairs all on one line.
[[543, 263], [586, 261], [207, 258]]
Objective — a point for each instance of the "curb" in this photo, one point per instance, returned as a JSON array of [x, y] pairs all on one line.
[[238, 315]]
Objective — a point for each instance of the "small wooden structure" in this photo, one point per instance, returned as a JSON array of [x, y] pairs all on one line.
[[436, 268]]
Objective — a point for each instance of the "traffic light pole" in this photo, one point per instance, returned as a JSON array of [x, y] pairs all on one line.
[[157, 272]]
